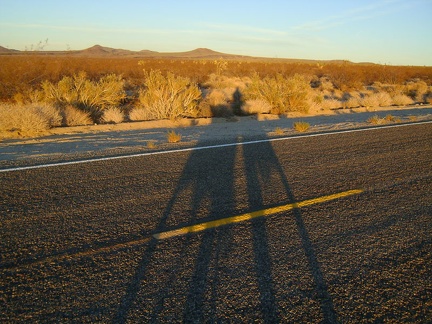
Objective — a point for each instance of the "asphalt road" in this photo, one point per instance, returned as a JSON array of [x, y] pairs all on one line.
[[85, 242]]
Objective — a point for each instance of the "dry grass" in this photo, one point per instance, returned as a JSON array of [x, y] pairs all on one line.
[[151, 145], [173, 137], [112, 115], [279, 131], [256, 106], [22, 119], [138, 114], [376, 120], [402, 100], [301, 126], [74, 117]]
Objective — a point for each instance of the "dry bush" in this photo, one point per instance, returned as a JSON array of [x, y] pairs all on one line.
[[139, 113], [75, 117], [352, 102], [256, 106], [283, 94], [216, 97], [376, 120], [369, 101], [112, 115], [325, 84], [25, 120], [19, 73], [173, 137], [390, 118], [331, 104], [51, 113], [279, 131], [384, 99], [92, 96], [169, 96], [221, 82], [151, 145], [402, 100], [417, 90], [301, 126]]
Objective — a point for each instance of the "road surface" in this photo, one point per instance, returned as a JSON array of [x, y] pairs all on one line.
[[332, 228]]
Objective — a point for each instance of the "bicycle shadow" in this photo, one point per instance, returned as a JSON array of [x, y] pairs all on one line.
[[207, 190]]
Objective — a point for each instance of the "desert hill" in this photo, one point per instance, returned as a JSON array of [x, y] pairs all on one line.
[[7, 50], [199, 53]]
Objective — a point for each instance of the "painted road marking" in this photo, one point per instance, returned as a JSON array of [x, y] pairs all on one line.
[[206, 147], [188, 229], [252, 215]]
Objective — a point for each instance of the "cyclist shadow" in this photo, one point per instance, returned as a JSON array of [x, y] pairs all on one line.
[[207, 189]]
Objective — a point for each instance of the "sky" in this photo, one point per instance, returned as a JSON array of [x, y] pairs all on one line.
[[393, 32]]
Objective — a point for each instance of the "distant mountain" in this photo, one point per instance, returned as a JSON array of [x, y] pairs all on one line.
[[102, 50], [199, 53], [7, 50], [98, 50]]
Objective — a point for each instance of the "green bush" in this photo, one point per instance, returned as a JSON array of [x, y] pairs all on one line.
[[284, 94], [169, 96]]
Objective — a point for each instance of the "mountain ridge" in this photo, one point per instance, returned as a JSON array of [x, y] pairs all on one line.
[[198, 53]]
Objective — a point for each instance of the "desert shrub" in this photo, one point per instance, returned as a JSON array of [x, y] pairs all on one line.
[[216, 97], [51, 113], [301, 126], [256, 106], [377, 120], [169, 96], [73, 116], [26, 120], [351, 102], [331, 104], [221, 82], [91, 96], [402, 100], [369, 101], [416, 89], [384, 99], [173, 137], [112, 115], [139, 113], [283, 94], [325, 84]]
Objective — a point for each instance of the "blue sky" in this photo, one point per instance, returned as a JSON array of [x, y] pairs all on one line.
[[397, 32]]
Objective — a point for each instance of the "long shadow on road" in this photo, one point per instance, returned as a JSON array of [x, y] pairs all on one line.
[[207, 190]]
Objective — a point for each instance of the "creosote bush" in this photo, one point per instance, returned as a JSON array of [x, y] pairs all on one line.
[[170, 96], [80, 92], [284, 94]]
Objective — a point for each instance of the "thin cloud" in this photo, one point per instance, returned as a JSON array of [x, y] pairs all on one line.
[[356, 14]]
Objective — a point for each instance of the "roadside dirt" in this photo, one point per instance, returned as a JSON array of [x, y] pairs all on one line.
[[69, 143]]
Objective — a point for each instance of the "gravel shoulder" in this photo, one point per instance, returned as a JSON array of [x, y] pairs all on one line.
[[72, 143]]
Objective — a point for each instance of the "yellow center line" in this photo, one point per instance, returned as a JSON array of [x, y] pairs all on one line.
[[248, 216]]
